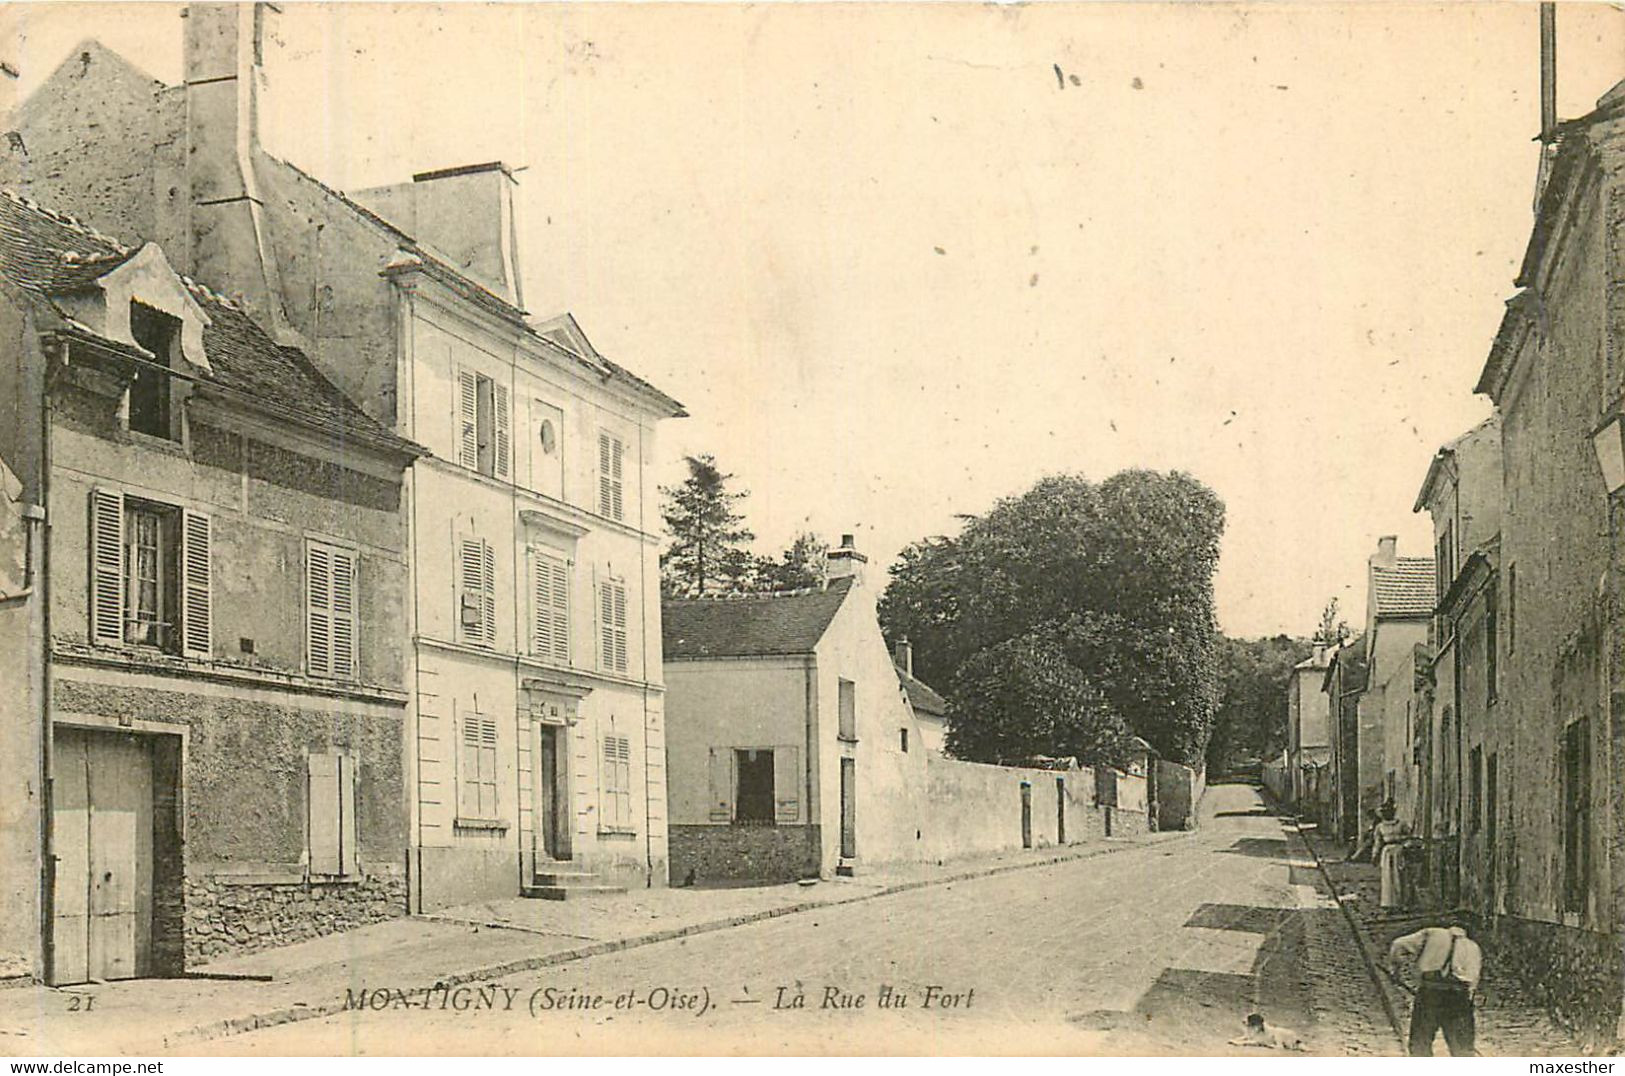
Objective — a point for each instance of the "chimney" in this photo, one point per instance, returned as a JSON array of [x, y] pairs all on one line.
[[846, 561], [1548, 97], [904, 656], [466, 215], [226, 242], [1387, 551]]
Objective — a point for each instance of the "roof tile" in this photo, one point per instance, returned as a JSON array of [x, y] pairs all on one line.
[[1404, 590], [750, 625]]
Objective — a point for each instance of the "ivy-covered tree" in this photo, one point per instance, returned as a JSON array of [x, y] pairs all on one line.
[[1118, 575], [708, 551], [1022, 698]]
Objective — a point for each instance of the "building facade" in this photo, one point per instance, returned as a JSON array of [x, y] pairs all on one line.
[[1309, 737], [226, 568], [1545, 865], [1399, 604], [534, 728]]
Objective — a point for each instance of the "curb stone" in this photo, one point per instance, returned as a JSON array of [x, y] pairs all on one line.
[[219, 1029], [1361, 941]]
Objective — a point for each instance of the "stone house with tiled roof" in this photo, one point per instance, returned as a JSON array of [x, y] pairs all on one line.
[[534, 745], [218, 766], [796, 748], [1399, 606]]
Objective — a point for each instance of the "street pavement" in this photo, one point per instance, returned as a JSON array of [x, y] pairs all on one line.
[[1162, 948]]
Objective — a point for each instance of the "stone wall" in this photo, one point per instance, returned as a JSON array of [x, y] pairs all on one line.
[[1178, 790], [1577, 973], [227, 914], [760, 853]]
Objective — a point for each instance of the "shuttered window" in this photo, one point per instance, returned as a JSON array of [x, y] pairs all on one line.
[[330, 603], [612, 625], [477, 768], [476, 592], [484, 425], [332, 826], [611, 500], [720, 777], [151, 575], [787, 784], [550, 607], [615, 792]]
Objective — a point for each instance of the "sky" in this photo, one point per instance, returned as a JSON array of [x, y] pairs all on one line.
[[900, 261]]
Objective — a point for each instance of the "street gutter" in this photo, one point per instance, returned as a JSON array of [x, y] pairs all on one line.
[[219, 1029], [1361, 941]]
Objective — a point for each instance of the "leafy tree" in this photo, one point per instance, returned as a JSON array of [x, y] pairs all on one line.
[[708, 533], [1333, 629], [800, 565], [1022, 698], [1117, 575], [1251, 721]]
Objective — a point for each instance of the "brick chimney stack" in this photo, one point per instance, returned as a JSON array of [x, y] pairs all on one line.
[[845, 560], [904, 656], [1387, 554]]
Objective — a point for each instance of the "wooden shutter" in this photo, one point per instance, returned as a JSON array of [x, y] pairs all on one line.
[[550, 608], [722, 789], [319, 609], [787, 783], [476, 579], [504, 438], [610, 499], [196, 579], [618, 619], [606, 624], [468, 419], [344, 599], [106, 567], [324, 813], [468, 768], [609, 802], [348, 822]]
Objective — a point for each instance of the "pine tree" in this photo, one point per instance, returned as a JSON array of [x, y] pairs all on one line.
[[707, 554]]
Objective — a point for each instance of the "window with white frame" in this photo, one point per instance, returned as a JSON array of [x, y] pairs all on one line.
[[612, 625], [476, 592], [477, 768], [550, 606], [611, 488], [484, 424], [615, 791], [151, 575], [330, 603]]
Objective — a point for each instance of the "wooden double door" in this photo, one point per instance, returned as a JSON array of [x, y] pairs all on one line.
[[102, 811]]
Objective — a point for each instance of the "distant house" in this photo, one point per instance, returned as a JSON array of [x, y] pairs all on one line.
[[1309, 737], [792, 750], [1399, 605], [1462, 495], [930, 708], [1343, 685]]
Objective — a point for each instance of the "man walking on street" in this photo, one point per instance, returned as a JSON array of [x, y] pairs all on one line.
[[1447, 965]]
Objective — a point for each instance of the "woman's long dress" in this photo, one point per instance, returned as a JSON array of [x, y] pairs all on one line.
[[1390, 836]]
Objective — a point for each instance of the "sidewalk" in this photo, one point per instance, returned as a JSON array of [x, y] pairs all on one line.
[[461, 945], [1510, 1021]]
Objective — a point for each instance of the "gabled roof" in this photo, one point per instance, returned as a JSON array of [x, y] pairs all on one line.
[[1444, 457], [750, 625], [921, 696], [1403, 590], [49, 254]]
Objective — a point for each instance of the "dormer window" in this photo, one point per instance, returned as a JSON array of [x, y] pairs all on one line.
[[153, 402]]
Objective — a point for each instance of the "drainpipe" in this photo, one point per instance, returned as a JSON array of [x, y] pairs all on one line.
[[643, 622], [47, 843]]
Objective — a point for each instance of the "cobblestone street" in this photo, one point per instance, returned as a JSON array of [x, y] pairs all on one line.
[[1158, 949]]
